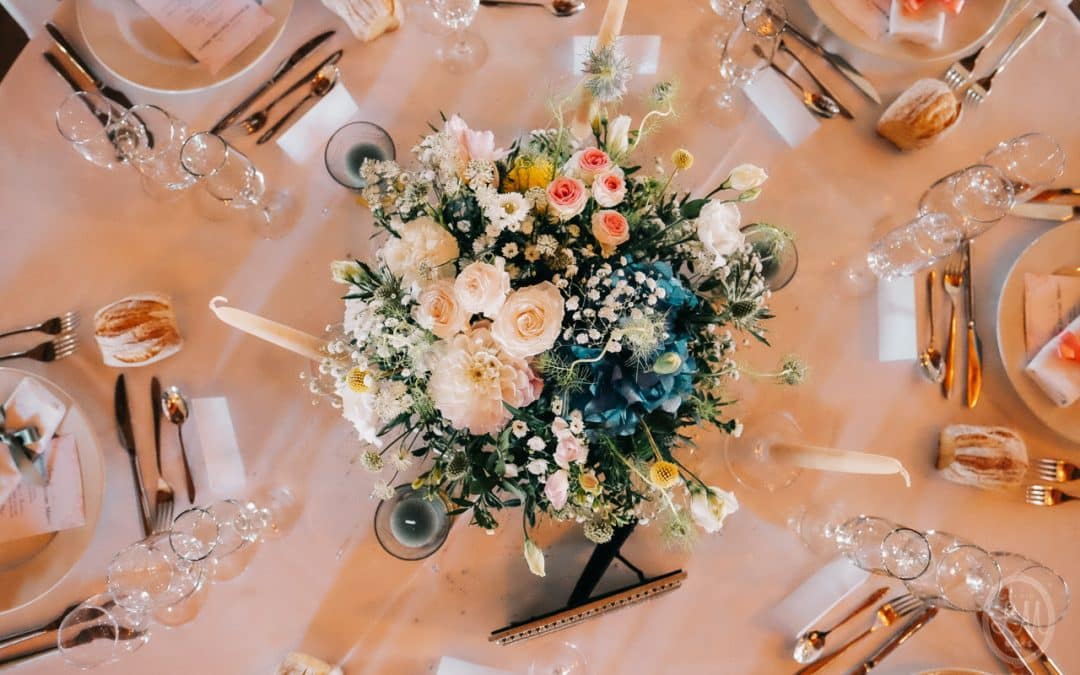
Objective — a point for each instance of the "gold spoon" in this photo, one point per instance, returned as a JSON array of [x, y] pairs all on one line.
[[930, 359]]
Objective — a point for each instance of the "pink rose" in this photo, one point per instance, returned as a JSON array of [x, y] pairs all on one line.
[[588, 163], [609, 188], [473, 144], [482, 287], [530, 320], [570, 449], [610, 229], [556, 489], [439, 310], [567, 197]]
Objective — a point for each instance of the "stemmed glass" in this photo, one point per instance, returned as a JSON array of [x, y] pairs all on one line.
[[100, 631], [925, 586], [904, 251], [1031, 593], [149, 575], [762, 22], [749, 459], [1031, 163], [152, 144], [968, 577], [973, 199], [88, 121], [462, 50]]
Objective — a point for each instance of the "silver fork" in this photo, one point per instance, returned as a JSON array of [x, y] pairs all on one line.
[[1044, 495], [51, 350], [960, 72], [65, 323], [887, 614], [1057, 470], [978, 90], [163, 505]]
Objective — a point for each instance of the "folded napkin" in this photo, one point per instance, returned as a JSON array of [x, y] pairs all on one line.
[[1058, 376], [32, 405], [36, 509], [778, 103], [1049, 301], [805, 606]]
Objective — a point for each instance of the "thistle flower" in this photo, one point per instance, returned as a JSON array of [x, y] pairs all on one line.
[[662, 93], [607, 74], [598, 531], [664, 474], [371, 461], [792, 371], [401, 459], [678, 531], [457, 467], [682, 159]]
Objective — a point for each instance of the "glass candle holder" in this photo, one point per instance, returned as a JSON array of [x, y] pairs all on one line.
[[776, 251], [353, 144], [413, 524]]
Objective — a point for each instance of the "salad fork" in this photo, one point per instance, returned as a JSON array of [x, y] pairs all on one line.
[[65, 323], [51, 350], [953, 279], [887, 615], [1044, 495], [1057, 470], [977, 91]]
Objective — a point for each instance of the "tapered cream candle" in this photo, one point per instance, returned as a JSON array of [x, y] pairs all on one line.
[[279, 334], [833, 459], [610, 27]]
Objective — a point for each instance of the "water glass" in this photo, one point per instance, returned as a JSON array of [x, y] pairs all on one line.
[[462, 50], [905, 553], [749, 457], [973, 199], [762, 22], [860, 541], [100, 631], [1031, 593], [152, 143], [149, 575], [194, 535], [911, 247], [968, 577], [88, 121], [273, 514], [1031, 162], [925, 586], [237, 535]]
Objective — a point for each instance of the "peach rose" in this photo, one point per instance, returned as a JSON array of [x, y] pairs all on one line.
[[610, 229], [482, 288], [567, 197], [440, 311], [588, 163], [609, 188], [530, 320]]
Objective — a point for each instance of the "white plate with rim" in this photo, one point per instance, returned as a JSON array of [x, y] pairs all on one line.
[[31, 567], [963, 33], [1056, 248], [135, 48], [953, 671]]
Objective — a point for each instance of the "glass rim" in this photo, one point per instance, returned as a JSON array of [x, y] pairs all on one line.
[[902, 529], [201, 513], [983, 166], [83, 97], [356, 123], [776, 9], [202, 135]]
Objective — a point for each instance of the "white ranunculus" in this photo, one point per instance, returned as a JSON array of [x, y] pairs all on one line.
[[746, 177], [482, 288], [618, 135], [421, 252], [439, 309], [530, 320], [344, 271], [718, 229], [359, 409], [709, 509], [534, 557]]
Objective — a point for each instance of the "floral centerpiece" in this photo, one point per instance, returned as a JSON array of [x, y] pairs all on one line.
[[545, 323]]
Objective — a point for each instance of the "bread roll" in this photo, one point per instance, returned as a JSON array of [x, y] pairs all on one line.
[[919, 115], [137, 331], [986, 457]]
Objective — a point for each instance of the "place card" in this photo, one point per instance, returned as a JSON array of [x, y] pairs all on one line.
[[216, 455], [897, 340], [212, 31], [781, 107], [58, 505], [816, 597], [309, 134]]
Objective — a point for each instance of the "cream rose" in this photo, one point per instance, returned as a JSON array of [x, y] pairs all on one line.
[[567, 197], [618, 135], [557, 489], [710, 508], [718, 229], [610, 229], [421, 252], [609, 188], [482, 288], [345, 271], [530, 320], [746, 177], [587, 164], [440, 310]]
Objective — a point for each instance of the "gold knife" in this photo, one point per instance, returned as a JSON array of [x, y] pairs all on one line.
[[1024, 636], [1007, 651], [895, 641], [974, 346]]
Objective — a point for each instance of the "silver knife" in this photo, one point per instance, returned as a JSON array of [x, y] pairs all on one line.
[[80, 64], [127, 441], [1007, 650], [895, 641], [821, 85], [1046, 211], [839, 64], [282, 69]]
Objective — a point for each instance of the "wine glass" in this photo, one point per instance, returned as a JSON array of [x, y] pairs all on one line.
[[88, 121], [152, 145], [973, 199], [968, 577], [904, 251], [272, 514], [564, 659], [860, 541], [194, 534], [758, 32], [237, 535], [1031, 162], [100, 631], [906, 553], [749, 459], [149, 575], [1031, 593], [462, 50], [925, 586]]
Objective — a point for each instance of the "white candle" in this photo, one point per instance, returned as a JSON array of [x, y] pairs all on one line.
[[833, 459], [283, 336]]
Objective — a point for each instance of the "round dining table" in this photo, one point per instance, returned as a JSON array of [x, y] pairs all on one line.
[[77, 237]]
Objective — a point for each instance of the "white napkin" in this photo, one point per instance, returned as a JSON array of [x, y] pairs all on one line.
[[1049, 300], [1059, 378], [32, 405], [897, 340], [217, 455], [451, 666], [35, 509], [778, 102], [642, 50], [804, 607], [310, 133]]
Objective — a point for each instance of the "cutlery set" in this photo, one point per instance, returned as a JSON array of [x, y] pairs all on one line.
[[957, 283], [1052, 471], [63, 344], [824, 104]]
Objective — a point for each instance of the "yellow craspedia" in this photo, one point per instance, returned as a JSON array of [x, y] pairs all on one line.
[[682, 159], [528, 172], [355, 379], [664, 474]]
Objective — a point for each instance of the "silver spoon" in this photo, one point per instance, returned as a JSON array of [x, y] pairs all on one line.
[[819, 104], [175, 407], [930, 359], [321, 85], [556, 7]]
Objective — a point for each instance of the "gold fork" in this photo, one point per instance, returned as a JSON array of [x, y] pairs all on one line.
[[1057, 470], [887, 615], [953, 281], [1044, 495]]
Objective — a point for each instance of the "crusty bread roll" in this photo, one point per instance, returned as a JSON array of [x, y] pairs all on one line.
[[987, 457], [368, 19], [923, 112], [137, 330]]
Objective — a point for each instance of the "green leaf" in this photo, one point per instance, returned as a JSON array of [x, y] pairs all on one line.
[[692, 209]]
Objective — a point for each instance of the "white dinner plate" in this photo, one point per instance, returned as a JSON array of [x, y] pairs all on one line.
[[1057, 248], [953, 671], [31, 567], [136, 49], [963, 33]]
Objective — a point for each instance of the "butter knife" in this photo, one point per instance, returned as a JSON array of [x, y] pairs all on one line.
[[839, 64], [974, 345], [127, 441], [895, 641], [80, 65], [283, 68]]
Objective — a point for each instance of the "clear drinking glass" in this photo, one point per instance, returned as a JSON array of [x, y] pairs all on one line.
[[925, 586], [273, 513], [776, 251], [462, 50], [153, 147], [860, 541], [973, 199], [762, 22], [749, 459], [194, 535], [232, 184], [968, 578], [99, 631], [906, 553], [88, 121], [149, 575], [911, 247], [564, 659], [237, 534], [1031, 162], [1031, 593]]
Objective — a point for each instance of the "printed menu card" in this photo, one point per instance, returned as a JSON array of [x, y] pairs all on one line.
[[212, 31], [58, 505]]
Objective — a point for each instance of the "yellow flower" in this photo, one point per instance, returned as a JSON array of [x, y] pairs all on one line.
[[356, 380], [664, 474], [528, 172], [589, 483], [682, 159]]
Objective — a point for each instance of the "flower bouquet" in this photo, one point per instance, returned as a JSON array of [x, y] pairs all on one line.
[[545, 323]]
